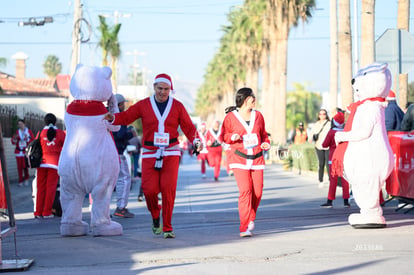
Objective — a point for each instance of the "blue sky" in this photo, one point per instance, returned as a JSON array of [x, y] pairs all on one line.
[[178, 37]]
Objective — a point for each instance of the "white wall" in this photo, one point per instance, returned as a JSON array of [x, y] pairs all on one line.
[[38, 105]]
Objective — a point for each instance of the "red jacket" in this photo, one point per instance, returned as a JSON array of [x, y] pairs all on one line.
[[51, 149], [239, 156], [21, 139], [145, 109]]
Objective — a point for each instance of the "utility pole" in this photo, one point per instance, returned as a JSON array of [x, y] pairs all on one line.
[[76, 40]]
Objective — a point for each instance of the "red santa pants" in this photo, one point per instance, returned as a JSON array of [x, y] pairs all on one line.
[[214, 159], [203, 158], [333, 183], [47, 180], [22, 169], [250, 183], [164, 181]]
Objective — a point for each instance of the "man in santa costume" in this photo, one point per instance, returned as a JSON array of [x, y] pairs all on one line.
[[161, 115], [213, 143], [203, 156]]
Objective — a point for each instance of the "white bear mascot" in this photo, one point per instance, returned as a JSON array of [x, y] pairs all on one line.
[[89, 161], [367, 157]]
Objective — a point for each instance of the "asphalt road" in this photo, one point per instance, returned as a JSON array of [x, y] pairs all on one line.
[[293, 234]]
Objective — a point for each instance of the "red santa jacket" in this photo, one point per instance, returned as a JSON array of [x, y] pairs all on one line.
[[174, 116], [240, 156], [51, 149], [21, 139]]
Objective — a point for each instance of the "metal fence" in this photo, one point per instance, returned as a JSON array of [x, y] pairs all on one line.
[[34, 121]]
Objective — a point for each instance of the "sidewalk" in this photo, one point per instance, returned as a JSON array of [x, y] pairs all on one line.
[[293, 234]]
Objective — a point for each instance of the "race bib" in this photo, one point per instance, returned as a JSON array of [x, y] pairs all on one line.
[[250, 141], [22, 143], [161, 139]]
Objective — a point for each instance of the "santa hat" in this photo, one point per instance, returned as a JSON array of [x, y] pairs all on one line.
[[391, 95], [339, 119], [164, 78]]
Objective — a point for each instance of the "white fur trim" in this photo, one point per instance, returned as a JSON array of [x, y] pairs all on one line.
[[163, 80]]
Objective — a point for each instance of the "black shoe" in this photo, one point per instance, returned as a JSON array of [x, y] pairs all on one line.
[[346, 203], [216, 179], [328, 204]]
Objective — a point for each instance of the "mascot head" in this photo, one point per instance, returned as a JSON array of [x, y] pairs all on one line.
[[372, 81], [91, 83]]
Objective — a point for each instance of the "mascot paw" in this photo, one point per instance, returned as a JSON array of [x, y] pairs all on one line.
[[360, 221], [107, 229], [74, 229]]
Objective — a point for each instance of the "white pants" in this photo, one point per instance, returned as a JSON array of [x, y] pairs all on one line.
[[123, 184]]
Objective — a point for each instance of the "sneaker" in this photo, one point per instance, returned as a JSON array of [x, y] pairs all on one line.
[[321, 184], [203, 176], [346, 203], [156, 226], [216, 179], [140, 198], [123, 213], [20, 184], [250, 227], [327, 205], [169, 235], [49, 216], [245, 234], [38, 217]]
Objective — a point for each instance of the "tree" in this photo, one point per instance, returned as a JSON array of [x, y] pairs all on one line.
[[302, 105], [284, 14], [52, 67], [333, 73], [404, 24], [110, 46], [345, 52], [367, 32], [3, 61]]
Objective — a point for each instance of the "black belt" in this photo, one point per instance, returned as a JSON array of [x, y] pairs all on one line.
[[243, 155], [151, 143]]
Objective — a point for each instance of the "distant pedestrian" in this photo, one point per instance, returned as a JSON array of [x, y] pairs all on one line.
[[244, 130], [203, 156], [393, 113], [214, 148], [123, 184], [318, 135], [407, 123], [51, 140], [21, 139], [300, 134]]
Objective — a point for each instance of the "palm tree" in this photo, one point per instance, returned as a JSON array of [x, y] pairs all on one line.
[[3, 61], [52, 67], [404, 24], [333, 74], [284, 14], [367, 32], [345, 52], [110, 46]]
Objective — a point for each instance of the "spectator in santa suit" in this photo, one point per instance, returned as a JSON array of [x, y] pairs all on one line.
[[203, 156], [161, 116], [21, 139], [213, 143], [51, 140], [393, 113], [244, 130]]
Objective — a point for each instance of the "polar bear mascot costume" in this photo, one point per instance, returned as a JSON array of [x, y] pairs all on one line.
[[89, 161], [364, 156]]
